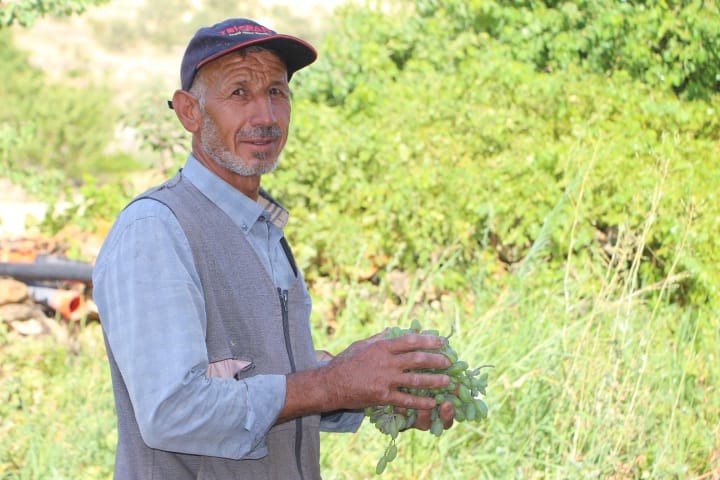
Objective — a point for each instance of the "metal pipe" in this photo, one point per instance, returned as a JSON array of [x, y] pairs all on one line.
[[48, 271]]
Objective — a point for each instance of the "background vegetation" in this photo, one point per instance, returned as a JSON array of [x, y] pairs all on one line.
[[539, 175]]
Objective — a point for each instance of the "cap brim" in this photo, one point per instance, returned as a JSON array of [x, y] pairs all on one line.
[[296, 53]]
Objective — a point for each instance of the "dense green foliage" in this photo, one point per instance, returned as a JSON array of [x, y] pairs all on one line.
[[52, 125], [55, 141], [56, 417], [542, 175], [669, 44], [435, 132], [26, 12]]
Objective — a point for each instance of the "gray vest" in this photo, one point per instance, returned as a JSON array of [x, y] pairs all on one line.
[[247, 318]]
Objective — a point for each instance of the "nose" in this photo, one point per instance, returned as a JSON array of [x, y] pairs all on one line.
[[263, 112]]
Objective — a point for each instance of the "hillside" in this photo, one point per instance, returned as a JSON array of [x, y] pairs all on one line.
[[110, 44]]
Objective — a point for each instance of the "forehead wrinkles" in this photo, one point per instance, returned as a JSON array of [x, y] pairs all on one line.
[[259, 68]]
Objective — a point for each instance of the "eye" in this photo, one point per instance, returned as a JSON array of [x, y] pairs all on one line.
[[277, 92], [239, 91]]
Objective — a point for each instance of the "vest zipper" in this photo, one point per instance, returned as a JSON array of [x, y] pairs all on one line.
[[288, 347]]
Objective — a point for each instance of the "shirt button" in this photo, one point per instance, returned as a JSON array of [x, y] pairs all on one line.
[[244, 227]]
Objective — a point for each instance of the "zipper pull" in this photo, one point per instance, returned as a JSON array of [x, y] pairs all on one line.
[[283, 299]]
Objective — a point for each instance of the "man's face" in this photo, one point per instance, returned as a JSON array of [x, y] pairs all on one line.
[[246, 112]]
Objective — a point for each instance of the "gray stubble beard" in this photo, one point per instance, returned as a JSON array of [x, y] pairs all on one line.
[[211, 144]]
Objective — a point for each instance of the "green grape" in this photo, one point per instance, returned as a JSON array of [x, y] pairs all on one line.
[[464, 394], [470, 411], [437, 427], [410, 421], [450, 354], [457, 367], [481, 408], [382, 463], [393, 332], [391, 452], [464, 387]]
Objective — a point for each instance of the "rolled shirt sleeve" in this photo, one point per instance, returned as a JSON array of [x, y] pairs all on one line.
[[342, 421], [152, 309]]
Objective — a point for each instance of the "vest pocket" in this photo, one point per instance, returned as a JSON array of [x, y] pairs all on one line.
[[230, 368]]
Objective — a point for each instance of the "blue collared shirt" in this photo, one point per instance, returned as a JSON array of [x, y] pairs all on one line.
[[151, 304]]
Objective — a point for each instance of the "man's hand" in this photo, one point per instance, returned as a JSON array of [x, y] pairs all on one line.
[[372, 371], [446, 412], [368, 373]]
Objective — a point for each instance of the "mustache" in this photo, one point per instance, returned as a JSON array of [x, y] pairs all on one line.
[[266, 132]]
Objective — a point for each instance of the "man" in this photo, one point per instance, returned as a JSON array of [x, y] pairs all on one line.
[[204, 311]]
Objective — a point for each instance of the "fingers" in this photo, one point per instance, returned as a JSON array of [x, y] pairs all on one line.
[[416, 381], [423, 380], [422, 361], [411, 352], [414, 341], [424, 418], [399, 398], [446, 414]]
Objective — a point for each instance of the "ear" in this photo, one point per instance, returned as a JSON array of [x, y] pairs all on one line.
[[187, 109]]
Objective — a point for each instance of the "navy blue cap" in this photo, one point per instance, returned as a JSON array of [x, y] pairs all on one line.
[[210, 43]]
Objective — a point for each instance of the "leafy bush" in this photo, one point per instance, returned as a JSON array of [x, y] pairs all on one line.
[[71, 126], [669, 45], [416, 135], [26, 12]]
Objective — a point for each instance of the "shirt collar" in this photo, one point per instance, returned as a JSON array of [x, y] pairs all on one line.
[[243, 210]]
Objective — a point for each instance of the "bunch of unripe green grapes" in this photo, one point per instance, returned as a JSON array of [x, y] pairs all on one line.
[[465, 386]]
